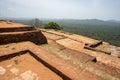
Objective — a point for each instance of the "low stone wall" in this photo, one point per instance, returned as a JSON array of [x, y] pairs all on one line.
[[95, 44], [16, 29], [34, 36], [92, 47]]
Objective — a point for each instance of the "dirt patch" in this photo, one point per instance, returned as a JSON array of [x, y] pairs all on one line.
[[53, 36], [70, 43]]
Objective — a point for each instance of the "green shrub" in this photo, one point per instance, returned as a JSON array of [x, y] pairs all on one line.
[[52, 25]]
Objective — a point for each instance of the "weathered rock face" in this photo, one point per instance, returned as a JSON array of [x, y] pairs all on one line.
[[13, 32]]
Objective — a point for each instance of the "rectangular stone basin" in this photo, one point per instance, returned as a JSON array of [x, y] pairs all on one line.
[[25, 67]]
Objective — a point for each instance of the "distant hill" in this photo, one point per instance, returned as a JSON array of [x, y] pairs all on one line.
[[77, 21], [114, 21], [84, 21], [89, 21]]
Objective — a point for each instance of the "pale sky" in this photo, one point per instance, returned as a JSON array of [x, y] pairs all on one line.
[[64, 9]]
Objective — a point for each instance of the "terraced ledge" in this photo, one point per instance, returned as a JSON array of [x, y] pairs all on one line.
[[75, 37]]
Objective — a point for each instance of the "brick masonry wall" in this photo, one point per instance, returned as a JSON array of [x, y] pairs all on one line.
[[35, 36]]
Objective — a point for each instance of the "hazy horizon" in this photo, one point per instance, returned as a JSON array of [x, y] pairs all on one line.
[[61, 9]]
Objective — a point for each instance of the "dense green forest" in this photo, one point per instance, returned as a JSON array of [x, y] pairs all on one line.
[[103, 30], [107, 33]]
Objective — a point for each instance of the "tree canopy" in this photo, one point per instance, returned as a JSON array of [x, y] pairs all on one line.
[[52, 25]]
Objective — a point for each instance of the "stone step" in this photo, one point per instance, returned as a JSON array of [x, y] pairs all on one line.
[[35, 36]]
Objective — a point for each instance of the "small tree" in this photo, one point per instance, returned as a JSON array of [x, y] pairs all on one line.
[[52, 25], [36, 22]]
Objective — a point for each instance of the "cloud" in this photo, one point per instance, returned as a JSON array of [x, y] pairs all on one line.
[[11, 9], [77, 9]]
